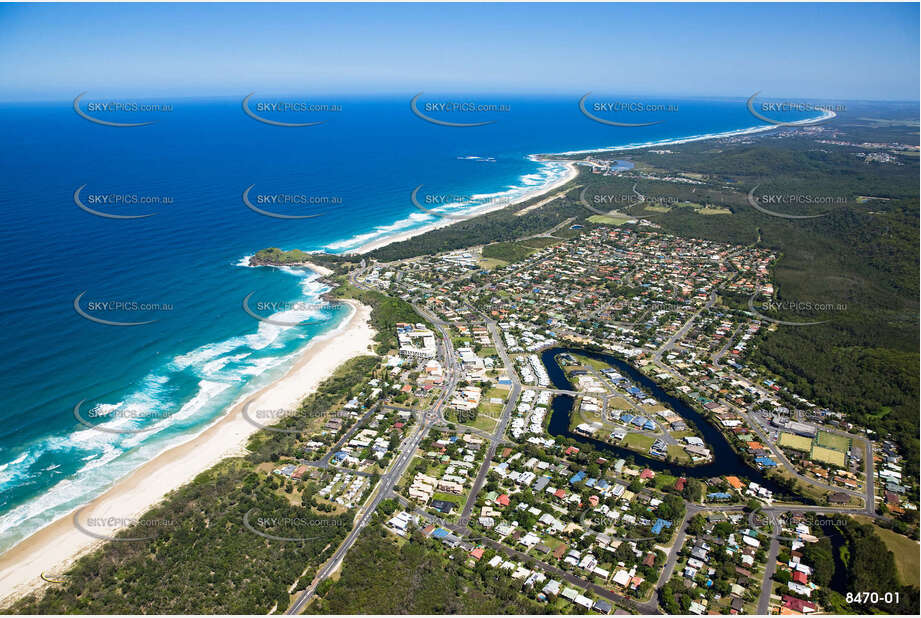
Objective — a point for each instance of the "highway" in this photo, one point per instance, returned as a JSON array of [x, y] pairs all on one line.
[[397, 468], [388, 480]]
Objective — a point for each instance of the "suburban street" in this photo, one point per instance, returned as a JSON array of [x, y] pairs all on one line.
[[396, 470], [434, 417]]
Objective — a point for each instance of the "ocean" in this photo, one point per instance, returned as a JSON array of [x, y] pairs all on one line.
[[182, 274]]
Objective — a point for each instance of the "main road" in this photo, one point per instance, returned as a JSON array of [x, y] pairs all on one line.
[[394, 472]]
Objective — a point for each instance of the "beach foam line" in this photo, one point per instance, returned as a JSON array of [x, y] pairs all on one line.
[[550, 175], [56, 545], [218, 367], [826, 115]]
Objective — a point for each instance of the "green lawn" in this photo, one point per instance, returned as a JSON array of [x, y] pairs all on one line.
[[827, 455], [609, 220], [490, 263], [638, 441], [712, 210], [906, 555], [677, 452], [483, 422], [799, 443], [833, 441], [591, 362]]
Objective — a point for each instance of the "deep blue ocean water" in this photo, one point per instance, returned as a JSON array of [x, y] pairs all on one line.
[[204, 352]]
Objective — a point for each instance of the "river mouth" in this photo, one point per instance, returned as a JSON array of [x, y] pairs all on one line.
[[725, 460]]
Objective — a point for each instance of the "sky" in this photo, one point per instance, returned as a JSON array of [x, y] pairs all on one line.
[[825, 51]]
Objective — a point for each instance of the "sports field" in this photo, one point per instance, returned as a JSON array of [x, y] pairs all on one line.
[[790, 440], [827, 455], [833, 441]]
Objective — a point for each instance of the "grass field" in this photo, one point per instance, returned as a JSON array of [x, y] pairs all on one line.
[[713, 210], [483, 422], [493, 409], [904, 550], [664, 480], [490, 263], [906, 555], [800, 443], [833, 441], [827, 455], [591, 362], [609, 220], [638, 441], [507, 251], [677, 452], [619, 403]]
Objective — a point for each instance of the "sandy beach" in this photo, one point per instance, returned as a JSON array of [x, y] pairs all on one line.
[[53, 548], [571, 172]]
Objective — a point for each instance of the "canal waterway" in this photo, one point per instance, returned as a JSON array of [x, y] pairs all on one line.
[[725, 460]]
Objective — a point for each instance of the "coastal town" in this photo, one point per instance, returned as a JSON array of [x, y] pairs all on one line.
[[583, 422], [461, 309], [576, 418]]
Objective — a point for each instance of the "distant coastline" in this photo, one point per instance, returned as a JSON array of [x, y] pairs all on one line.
[[55, 546], [572, 173]]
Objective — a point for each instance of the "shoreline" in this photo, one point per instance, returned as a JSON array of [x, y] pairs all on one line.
[[826, 115], [573, 173], [55, 547], [322, 271]]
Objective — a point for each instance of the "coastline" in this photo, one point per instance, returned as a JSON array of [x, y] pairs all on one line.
[[56, 546], [572, 173], [826, 115], [322, 271]]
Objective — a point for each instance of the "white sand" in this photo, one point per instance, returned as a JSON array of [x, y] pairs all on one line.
[[53, 548], [571, 173]]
